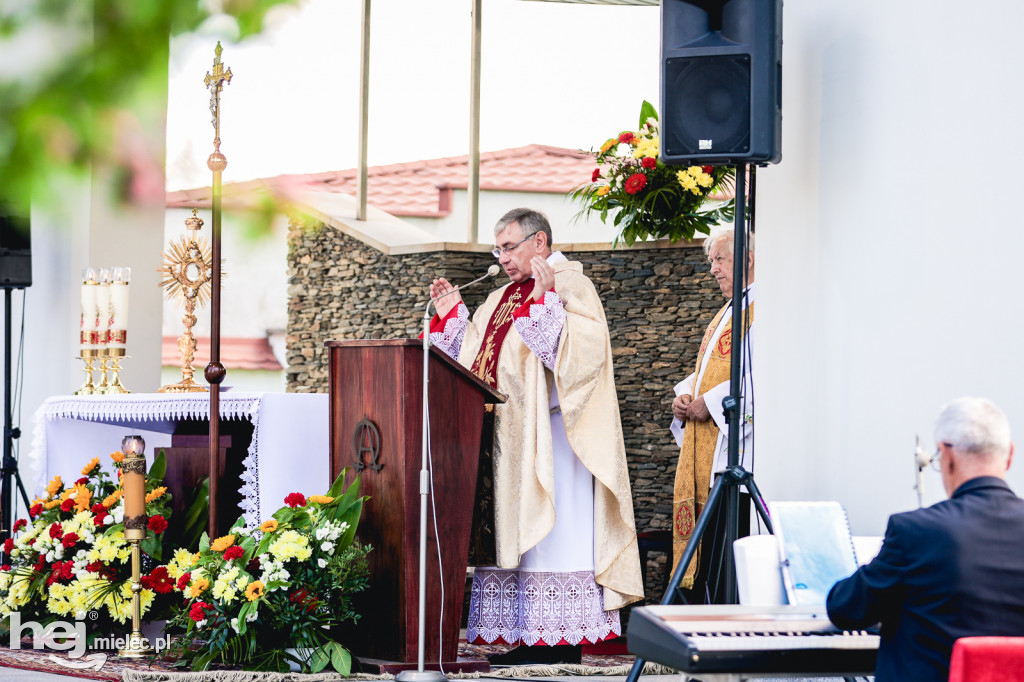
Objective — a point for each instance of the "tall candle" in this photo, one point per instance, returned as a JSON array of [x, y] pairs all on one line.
[[103, 308], [119, 307], [133, 480], [87, 325]]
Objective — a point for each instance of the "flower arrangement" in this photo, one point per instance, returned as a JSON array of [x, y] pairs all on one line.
[[647, 198], [252, 595], [72, 557]]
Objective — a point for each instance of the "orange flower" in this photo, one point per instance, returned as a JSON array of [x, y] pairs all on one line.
[[54, 486], [83, 497], [269, 526], [220, 544], [609, 144], [156, 494], [603, 189], [198, 586], [321, 499], [52, 503], [88, 468], [111, 499], [117, 456], [254, 591]]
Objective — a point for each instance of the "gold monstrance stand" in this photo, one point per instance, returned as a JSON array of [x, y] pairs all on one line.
[[186, 269]]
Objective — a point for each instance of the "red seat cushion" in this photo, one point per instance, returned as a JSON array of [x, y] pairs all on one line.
[[987, 659]]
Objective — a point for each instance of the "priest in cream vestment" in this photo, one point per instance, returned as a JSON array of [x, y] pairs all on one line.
[[564, 532], [699, 423]]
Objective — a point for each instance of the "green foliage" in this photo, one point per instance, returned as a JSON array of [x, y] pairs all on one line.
[[61, 108], [644, 198]]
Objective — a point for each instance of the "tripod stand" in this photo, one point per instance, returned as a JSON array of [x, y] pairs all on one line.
[[726, 488], [9, 475]]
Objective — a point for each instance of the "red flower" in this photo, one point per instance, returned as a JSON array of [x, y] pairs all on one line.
[[707, 169], [55, 531], [295, 500], [635, 183], [19, 524], [233, 552], [100, 518], [158, 580], [596, 175], [5, 567], [94, 567], [30, 542], [303, 598], [198, 611], [67, 505], [62, 570], [254, 565], [8, 545], [69, 540], [158, 524], [35, 510], [98, 508], [648, 162], [40, 563], [82, 481], [183, 581], [626, 138]]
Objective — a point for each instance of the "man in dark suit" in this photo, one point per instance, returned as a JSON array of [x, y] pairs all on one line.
[[952, 570]]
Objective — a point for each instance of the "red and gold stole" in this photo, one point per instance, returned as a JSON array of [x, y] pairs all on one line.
[[485, 365]]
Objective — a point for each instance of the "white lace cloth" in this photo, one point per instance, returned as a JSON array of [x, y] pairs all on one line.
[[450, 338], [288, 428], [542, 329], [535, 607]]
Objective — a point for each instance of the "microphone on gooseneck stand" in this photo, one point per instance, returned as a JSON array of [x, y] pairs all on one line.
[[491, 272]]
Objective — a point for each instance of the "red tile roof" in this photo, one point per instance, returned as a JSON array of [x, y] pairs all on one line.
[[421, 188], [235, 353]]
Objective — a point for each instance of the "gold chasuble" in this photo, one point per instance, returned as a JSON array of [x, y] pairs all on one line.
[[693, 473], [524, 485]]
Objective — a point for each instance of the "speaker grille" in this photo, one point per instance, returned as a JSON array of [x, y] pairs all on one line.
[[707, 106]]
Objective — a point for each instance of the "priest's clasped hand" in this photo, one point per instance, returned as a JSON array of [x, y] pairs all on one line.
[[440, 287], [685, 408]]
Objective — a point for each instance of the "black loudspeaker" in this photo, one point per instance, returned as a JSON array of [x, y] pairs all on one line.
[[721, 81], [15, 250]]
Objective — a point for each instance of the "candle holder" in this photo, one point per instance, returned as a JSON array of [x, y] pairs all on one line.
[[87, 388], [103, 387], [133, 479], [115, 386]]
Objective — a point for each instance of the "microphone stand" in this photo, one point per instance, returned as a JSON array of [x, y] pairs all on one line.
[[420, 674]]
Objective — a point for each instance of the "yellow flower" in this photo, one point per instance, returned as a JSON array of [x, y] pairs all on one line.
[[321, 499], [52, 503], [156, 494], [269, 526], [291, 545], [611, 142], [54, 486], [117, 456], [220, 544], [603, 189], [93, 463], [198, 586], [111, 499], [254, 591], [646, 146]]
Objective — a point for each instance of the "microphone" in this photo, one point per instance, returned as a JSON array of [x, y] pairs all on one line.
[[491, 272]]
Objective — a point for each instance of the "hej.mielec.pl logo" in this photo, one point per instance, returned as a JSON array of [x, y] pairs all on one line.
[[64, 636]]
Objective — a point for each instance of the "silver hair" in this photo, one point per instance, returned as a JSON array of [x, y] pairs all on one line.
[[974, 426], [723, 233], [528, 220]]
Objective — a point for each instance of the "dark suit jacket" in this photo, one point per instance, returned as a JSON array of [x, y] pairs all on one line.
[[948, 571]]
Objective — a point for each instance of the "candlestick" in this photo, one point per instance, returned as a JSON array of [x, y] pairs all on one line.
[[88, 319], [133, 480], [119, 307]]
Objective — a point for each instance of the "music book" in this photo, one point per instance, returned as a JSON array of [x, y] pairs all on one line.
[[816, 548]]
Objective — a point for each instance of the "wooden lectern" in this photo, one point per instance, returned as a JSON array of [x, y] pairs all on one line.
[[376, 416]]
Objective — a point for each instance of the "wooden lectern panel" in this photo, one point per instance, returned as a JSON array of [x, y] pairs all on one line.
[[376, 416]]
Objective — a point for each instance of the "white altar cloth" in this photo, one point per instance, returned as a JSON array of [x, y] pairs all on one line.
[[289, 451]]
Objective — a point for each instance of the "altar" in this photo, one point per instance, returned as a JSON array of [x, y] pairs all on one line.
[[288, 450]]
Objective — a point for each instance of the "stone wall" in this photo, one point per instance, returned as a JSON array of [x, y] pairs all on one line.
[[658, 302]]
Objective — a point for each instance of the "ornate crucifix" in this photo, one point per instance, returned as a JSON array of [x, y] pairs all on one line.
[[215, 371]]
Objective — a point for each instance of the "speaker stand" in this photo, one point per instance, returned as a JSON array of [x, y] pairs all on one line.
[[9, 475]]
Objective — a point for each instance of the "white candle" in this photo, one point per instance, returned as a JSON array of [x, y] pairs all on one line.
[[103, 308], [86, 336], [119, 308]]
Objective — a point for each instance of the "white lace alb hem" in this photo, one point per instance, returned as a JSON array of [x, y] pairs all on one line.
[[543, 328], [450, 338], [538, 607]]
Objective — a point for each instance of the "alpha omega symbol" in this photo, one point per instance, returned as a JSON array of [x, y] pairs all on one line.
[[366, 439]]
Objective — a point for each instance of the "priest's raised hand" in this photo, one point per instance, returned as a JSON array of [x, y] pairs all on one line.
[[440, 287]]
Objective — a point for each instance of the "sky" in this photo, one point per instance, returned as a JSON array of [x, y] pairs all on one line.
[[565, 75]]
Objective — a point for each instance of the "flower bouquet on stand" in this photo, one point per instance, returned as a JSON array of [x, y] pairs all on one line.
[[72, 558], [262, 600], [647, 199]]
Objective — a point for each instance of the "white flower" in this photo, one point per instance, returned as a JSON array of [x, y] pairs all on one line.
[[322, 563], [251, 616], [321, 533], [49, 557], [108, 520], [234, 624], [200, 623], [118, 515], [327, 547]]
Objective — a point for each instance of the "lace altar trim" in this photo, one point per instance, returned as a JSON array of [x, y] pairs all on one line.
[[136, 407], [450, 338], [543, 328], [537, 607]]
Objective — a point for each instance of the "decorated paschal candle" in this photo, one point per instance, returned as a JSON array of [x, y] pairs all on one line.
[[119, 307], [133, 481]]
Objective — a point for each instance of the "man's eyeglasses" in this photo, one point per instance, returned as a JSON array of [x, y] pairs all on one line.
[[509, 249], [936, 460]]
